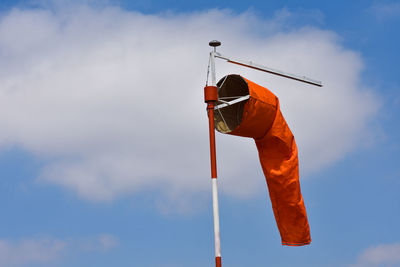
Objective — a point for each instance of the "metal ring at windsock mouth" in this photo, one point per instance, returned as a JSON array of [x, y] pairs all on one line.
[[230, 87]]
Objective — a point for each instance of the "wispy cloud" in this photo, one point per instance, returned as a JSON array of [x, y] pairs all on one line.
[[46, 251], [381, 255], [30, 251], [111, 100], [385, 11], [102, 243], [288, 18]]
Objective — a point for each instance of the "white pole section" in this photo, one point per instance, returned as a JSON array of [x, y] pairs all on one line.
[[217, 240]]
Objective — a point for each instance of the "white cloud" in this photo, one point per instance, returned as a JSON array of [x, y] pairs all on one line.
[[385, 11], [102, 243], [30, 251], [381, 255], [112, 101], [27, 252], [300, 16]]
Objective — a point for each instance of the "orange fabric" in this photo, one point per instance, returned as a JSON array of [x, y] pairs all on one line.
[[263, 121]]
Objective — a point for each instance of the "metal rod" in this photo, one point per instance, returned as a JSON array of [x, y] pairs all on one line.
[[213, 75], [237, 100], [269, 70]]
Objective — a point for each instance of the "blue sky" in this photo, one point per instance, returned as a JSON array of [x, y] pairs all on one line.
[[101, 166]]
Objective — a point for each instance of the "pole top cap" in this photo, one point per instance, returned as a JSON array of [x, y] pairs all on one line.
[[214, 43]]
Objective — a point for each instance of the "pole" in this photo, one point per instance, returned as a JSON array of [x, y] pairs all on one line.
[[210, 97]]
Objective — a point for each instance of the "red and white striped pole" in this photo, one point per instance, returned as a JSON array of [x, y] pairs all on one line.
[[211, 97]]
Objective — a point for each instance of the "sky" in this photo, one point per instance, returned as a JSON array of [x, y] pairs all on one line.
[[104, 155]]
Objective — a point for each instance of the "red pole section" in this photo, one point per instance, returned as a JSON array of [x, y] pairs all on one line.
[[218, 261], [210, 97], [213, 157]]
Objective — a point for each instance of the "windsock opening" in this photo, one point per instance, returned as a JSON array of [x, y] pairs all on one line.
[[230, 87]]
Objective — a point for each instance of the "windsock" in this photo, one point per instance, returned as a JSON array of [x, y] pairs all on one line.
[[260, 118]]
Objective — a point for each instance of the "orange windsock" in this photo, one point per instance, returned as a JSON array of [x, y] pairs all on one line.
[[260, 118]]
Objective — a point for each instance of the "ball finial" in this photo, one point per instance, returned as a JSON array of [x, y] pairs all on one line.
[[214, 43]]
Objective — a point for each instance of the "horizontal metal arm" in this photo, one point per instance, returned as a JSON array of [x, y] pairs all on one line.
[[237, 100], [270, 70]]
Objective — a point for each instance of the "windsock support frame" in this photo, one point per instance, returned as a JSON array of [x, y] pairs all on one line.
[[211, 98]]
